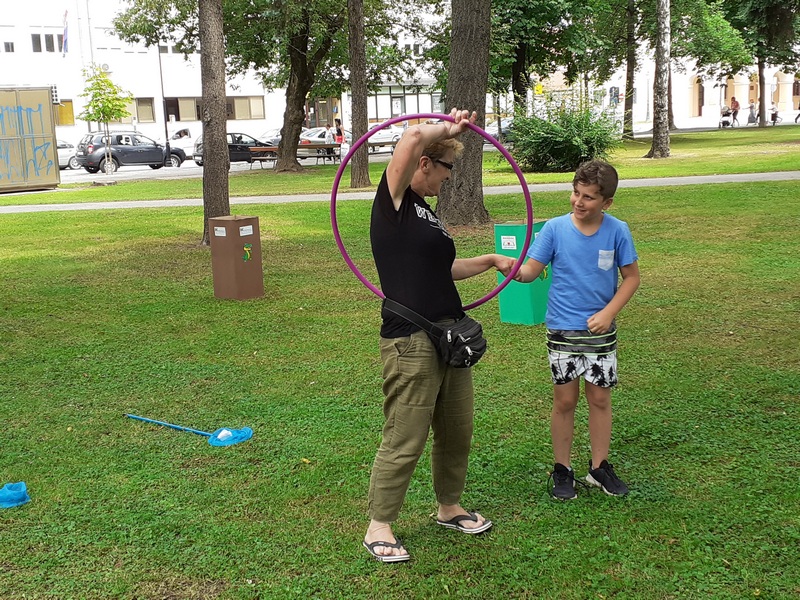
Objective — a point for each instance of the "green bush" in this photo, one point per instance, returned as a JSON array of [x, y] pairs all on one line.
[[563, 139]]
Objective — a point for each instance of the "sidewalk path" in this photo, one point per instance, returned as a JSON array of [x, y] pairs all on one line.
[[489, 191]]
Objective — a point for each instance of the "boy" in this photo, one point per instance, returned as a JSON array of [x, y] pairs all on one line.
[[585, 248]]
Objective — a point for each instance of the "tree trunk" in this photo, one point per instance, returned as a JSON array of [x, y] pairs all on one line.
[[216, 161], [519, 79], [762, 87], [630, 70], [303, 60], [671, 119], [660, 147], [359, 166], [461, 199]]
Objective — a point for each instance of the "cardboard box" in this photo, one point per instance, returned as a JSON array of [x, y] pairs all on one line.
[[236, 257]]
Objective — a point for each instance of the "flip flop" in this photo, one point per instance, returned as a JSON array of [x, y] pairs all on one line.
[[387, 558], [455, 523]]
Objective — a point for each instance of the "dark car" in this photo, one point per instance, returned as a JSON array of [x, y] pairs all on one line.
[[127, 148], [239, 145]]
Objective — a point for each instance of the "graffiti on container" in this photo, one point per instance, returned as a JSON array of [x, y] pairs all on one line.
[[26, 149]]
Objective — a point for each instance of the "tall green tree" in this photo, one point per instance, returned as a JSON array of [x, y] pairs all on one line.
[[299, 45], [771, 30], [106, 102]]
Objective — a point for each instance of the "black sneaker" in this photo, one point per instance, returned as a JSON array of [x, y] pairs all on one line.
[[605, 478], [563, 483]]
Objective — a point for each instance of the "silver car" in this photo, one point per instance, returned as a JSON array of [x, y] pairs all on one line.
[[66, 155], [316, 137], [387, 135]]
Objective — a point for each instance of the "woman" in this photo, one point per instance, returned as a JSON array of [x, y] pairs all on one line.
[[338, 131], [752, 117], [415, 258]]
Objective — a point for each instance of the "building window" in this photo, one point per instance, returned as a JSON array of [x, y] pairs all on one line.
[[163, 49], [49, 43], [64, 113], [36, 42], [244, 107], [8, 46], [60, 38], [144, 110], [140, 109]]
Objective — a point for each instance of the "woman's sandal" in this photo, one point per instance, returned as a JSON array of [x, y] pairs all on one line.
[[455, 523], [389, 558]]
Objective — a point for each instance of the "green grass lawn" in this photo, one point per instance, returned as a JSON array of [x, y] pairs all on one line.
[[739, 150], [111, 312]]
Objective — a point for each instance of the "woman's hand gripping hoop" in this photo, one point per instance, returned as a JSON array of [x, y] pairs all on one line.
[[478, 130]]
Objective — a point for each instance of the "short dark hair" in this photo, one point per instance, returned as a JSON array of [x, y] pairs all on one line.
[[598, 172]]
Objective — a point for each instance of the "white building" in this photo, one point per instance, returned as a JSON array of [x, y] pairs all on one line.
[[32, 53]]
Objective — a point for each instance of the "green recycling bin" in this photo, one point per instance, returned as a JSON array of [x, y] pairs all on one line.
[[520, 303]]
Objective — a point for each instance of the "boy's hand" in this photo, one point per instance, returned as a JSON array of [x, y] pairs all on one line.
[[600, 322]]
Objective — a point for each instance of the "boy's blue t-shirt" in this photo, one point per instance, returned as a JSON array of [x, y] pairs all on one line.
[[585, 269]]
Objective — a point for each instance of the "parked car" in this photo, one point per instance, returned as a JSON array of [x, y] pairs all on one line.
[[388, 134], [66, 155], [127, 148], [239, 145], [501, 133], [273, 136], [315, 137]]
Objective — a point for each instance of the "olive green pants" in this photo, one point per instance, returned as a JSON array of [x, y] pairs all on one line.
[[421, 393]]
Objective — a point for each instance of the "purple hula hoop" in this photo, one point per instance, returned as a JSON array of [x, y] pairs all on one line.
[[528, 204]]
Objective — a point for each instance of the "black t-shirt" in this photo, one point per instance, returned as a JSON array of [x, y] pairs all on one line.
[[414, 254]]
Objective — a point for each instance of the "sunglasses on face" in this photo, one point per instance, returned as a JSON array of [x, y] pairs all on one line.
[[446, 165]]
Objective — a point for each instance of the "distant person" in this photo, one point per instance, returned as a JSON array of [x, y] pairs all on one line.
[[329, 139], [773, 114], [735, 106], [752, 118], [593, 248], [338, 131], [798, 114]]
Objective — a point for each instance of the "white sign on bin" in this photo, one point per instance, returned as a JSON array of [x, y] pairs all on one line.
[[245, 230], [220, 232], [508, 242]]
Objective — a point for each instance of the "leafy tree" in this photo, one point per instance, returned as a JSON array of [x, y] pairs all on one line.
[[299, 45], [106, 102], [771, 30]]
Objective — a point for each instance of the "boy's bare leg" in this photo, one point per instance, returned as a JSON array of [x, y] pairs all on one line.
[[562, 419], [599, 400]]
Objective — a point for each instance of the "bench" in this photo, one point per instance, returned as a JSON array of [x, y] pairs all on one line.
[[269, 154], [262, 154]]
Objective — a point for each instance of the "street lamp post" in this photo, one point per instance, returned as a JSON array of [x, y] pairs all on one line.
[[168, 151]]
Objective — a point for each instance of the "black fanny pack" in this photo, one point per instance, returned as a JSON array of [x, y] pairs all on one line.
[[460, 344]]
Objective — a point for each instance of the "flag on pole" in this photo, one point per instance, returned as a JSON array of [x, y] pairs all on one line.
[[64, 41]]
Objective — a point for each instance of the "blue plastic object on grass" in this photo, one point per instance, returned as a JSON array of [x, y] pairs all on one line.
[[14, 494], [221, 437]]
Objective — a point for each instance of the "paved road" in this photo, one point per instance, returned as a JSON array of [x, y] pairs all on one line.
[[489, 190]]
